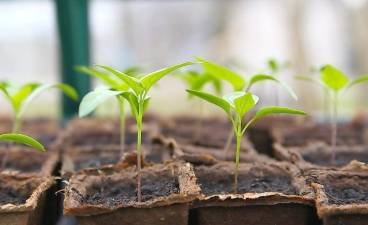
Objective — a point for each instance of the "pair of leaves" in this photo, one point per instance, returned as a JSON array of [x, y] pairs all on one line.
[[241, 103], [196, 81], [22, 96], [136, 98], [334, 79], [22, 139], [237, 81]]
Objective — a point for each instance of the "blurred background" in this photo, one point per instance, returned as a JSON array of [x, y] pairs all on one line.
[[39, 38]]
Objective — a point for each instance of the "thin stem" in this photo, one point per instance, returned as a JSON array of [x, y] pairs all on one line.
[[326, 110], [334, 127], [139, 150], [122, 125], [229, 140], [237, 159], [199, 122], [17, 123]]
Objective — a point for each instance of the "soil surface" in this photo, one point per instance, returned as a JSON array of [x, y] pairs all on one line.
[[217, 181], [341, 158], [23, 159], [14, 191], [117, 190], [346, 189]]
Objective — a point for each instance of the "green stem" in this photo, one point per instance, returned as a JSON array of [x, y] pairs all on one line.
[[17, 124], [334, 127], [122, 125], [237, 161], [139, 150]]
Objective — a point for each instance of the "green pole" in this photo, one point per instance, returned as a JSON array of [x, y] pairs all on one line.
[[72, 20]]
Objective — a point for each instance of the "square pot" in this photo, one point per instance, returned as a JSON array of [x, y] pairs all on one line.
[[268, 194], [166, 190], [342, 195], [319, 154], [22, 199], [22, 159]]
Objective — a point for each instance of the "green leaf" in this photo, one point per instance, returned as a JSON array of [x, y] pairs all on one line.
[[223, 73], [146, 103], [212, 99], [132, 82], [358, 80], [150, 79], [273, 65], [333, 78], [22, 94], [201, 81], [95, 98], [106, 78], [65, 88], [133, 102], [132, 71], [4, 88], [245, 103], [22, 139], [276, 110]]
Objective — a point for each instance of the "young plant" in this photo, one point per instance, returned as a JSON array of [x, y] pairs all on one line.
[[236, 105], [20, 97], [337, 83], [21, 139], [138, 99], [240, 83], [114, 84], [274, 68]]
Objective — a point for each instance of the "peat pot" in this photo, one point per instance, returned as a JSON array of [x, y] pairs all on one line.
[[111, 199], [268, 194]]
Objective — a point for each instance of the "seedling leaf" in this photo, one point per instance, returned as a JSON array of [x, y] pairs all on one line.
[[22, 139], [358, 80], [23, 93], [132, 82], [114, 83], [150, 79], [212, 99], [245, 103], [93, 99], [333, 78], [276, 110], [223, 73]]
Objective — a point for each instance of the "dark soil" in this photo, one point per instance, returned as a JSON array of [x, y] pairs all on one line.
[[215, 181], [346, 188], [14, 191], [91, 161], [347, 135], [23, 159], [114, 191], [341, 158]]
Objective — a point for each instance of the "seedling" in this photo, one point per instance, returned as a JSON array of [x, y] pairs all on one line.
[[138, 99], [240, 83], [275, 67], [20, 97], [21, 139], [337, 83], [114, 84], [236, 105]]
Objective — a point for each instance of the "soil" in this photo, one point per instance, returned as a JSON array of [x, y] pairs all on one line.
[[117, 189], [346, 189], [16, 190], [347, 135], [341, 158], [219, 180]]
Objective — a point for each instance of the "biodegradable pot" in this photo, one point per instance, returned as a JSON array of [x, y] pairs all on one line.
[[268, 194], [319, 154], [112, 199], [22, 159], [22, 199], [78, 158], [342, 195], [261, 133]]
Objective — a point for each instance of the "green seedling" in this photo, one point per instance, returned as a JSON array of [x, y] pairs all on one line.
[[274, 68], [236, 105], [138, 99], [114, 84], [20, 97], [20, 139], [239, 83], [337, 83]]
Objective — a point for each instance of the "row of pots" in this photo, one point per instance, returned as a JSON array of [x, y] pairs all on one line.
[[187, 178]]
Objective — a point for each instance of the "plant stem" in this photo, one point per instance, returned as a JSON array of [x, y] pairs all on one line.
[[122, 126], [17, 123], [237, 157], [199, 122], [228, 142], [139, 151], [334, 128]]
